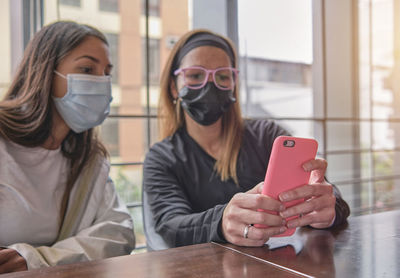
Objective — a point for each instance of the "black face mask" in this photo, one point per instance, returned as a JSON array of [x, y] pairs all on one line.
[[206, 105]]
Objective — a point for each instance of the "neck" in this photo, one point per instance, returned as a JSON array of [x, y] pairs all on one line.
[[59, 131], [208, 137]]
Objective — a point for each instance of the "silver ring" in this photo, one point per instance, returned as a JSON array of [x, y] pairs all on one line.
[[246, 231]]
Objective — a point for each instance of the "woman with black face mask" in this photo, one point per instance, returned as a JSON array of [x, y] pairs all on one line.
[[202, 181]]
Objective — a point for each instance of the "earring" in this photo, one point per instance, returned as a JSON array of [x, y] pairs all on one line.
[[174, 101]]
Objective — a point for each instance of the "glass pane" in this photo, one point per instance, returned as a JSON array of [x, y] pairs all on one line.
[[128, 181], [138, 227], [377, 184], [125, 138], [383, 135], [367, 197], [154, 61], [300, 128], [384, 163], [387, 193], [379, 97], [154, 138], [341, 167], [5, 47], [109, 5], [276, 67], [376, 58], [168, 21], [113, 41], [76, 3], [341, 134], [366, 164], [154, 7]]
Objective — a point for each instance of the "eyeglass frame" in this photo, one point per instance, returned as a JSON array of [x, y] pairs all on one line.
[[208, 71]]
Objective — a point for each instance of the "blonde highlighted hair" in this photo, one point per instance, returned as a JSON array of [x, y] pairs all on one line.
[[170, 114]]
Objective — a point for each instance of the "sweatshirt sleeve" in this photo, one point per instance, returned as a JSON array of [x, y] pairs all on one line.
[[174, 218], [342, 209], [110, 234]]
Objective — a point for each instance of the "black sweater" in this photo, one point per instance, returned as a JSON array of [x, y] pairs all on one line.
[[187, 196]]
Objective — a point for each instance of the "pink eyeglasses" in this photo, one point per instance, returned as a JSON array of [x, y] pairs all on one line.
[[197, 77]]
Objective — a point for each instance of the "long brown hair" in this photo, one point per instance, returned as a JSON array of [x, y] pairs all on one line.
[[170, 115], [26, 112]]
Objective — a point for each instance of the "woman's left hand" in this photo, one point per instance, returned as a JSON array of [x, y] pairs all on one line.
[[318, 210]]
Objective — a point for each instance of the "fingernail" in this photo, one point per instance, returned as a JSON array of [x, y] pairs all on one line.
[[282, 229], [282, 207], [283, 222], [291, 225], [283, 214], [283, 196]]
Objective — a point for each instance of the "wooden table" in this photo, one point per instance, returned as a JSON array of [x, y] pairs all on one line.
[[368, 247], [203, 260]]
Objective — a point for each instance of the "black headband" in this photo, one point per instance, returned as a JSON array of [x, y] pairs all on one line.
[[203, 39]]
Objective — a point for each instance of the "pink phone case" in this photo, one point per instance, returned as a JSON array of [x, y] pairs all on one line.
[[285, 171]]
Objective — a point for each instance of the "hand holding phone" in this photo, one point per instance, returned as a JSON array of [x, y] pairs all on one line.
[[285, 171]]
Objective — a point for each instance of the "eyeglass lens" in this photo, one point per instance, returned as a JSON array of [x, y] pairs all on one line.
[[224, 78]]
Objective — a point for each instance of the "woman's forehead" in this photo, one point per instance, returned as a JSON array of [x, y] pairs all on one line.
[[206, 56]]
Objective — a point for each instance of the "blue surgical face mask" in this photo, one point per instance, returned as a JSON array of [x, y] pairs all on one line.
[[87, 101]]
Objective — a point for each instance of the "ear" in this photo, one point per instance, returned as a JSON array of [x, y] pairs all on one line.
[[172, 88]]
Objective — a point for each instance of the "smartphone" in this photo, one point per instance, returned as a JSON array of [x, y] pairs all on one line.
[[285, 171]]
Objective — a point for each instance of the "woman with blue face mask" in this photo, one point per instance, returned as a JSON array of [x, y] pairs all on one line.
[[202, 181], [57, 202]]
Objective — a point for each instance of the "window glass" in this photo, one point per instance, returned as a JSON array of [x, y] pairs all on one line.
[[154, 60], [5, 47], [276, 63], [113, 42], [76, 3], [109, 5], [154, 7], [379, 84]]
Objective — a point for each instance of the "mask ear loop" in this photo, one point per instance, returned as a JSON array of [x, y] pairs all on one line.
[[60, 74]]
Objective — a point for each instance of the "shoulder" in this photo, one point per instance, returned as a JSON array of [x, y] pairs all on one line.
[[167, 151], [103, 165], [100, 164], [263, 129]]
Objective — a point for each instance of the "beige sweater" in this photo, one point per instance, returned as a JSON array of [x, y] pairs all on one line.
[[97, 223]]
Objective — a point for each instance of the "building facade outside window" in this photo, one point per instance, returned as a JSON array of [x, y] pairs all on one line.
[[109, 6], [113, 41], [154, 61], [154, 7], [75, 3]]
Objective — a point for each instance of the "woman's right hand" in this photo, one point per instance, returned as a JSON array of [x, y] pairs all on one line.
[[241, 211], [11, 261]]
